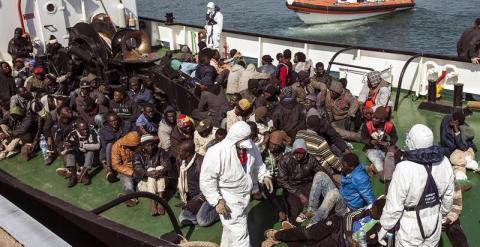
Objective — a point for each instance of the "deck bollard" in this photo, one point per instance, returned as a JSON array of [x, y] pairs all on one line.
[[458, 95], [432, 91], [169, 19]]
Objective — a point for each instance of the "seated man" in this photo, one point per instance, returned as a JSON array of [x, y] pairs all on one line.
[[184, 130], [15, 130], [113, 129], [123, 152], [196, 209], [124, 106], [331, 231], [302, 87], [147, 122], [205, 132], [80, 147], [380, 133], [22, 98], [243, 111], [295, 175], [375, 93], [212, 104], [150, 169], [324, 129], [138, 93], [323, 188], [86, 90], [20, 46], [35, 81], [355, 186], [310, 104], [57, 127], [457, 136], [93, 113], [342, 108], [166, 126], [288, 115], [319, 148], [276, 150]]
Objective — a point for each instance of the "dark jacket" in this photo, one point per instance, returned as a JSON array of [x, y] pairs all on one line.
[[142, 161], [176, 138], [110, 135], [289, 116], [127, 109], [206, 74], [213, 101], [143, 96], [429, 155], [193, 177], [325, 129], [19, 129], [20, 48], [292, 174], [7, 87], [83, 144], [451, 141], [58, 130], [469, 43]]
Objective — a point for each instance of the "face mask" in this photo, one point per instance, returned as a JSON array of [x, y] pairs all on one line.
[[409, 144], [245, 144]]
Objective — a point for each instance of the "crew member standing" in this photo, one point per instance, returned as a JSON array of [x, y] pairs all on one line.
[[213, 26]]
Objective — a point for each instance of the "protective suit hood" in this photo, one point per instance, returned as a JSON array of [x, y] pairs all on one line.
[[419, 136], [238, 132]]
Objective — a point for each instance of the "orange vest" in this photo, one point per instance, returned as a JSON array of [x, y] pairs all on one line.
[[387, 127]]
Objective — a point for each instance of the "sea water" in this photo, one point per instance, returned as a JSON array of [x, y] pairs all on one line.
[[433, 26]]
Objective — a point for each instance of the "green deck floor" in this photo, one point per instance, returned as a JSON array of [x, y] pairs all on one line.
[[261, 217]]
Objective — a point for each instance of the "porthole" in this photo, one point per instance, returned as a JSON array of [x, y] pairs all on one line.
[[51, 8]]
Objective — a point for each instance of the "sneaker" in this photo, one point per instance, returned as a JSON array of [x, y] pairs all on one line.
[[269, 242], [12, 153], [111, 178], [303, 216], [287, 225], [63, 172], [269, 233], [186, 223], [132, 202], [86, 179]]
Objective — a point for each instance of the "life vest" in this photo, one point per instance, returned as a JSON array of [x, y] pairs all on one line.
[[387, 127], [372, 96]]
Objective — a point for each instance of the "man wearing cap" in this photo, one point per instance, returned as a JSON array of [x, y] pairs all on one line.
[[204, 133], [242, 112], [212, 103], [288, 115], [375, 93], [86, 90], [138, 92], [80, 147], [226, 182], [35, 81], [420, 193], [213, 26], [20, 46], [380, 133], [277, 148], [15, 129], [267, 66], [183, 131], [342, 107], [296, 171], [150, 169], [310, 104]]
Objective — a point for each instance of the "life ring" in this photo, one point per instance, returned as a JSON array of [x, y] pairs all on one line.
[[452, 74]]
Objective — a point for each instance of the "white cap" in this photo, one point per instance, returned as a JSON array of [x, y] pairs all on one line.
[[210, 5], [419, 136]]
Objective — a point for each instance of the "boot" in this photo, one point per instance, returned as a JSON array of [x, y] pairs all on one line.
[[85, 178], [72, 181], [50, 159], [160, 209]]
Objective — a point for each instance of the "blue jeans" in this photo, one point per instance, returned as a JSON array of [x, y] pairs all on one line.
[[127, 183], [205, 216], [323, 186]]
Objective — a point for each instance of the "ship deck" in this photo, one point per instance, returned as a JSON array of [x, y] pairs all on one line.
[[36, 175]]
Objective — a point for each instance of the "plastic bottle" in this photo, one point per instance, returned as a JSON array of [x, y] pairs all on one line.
[[43, 147], [362, 238]]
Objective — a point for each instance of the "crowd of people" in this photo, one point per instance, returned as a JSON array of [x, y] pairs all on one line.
[[279, 133]]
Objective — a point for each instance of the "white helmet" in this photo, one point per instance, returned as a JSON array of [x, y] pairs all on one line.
[[210, 5], [419, 136]]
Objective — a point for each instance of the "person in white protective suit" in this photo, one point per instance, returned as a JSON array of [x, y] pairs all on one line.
[[226, 178], [213, 26], [416, 200]]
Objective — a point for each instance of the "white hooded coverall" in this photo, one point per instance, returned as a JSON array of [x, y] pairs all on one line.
[[214, 31], [406, 188], [222, 176]]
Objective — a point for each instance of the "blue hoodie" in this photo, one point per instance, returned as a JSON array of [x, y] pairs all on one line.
[[356, 188]]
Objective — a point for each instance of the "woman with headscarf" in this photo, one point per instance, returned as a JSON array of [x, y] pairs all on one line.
[[226, 181]]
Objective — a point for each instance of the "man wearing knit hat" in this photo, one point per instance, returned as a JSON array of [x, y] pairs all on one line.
[[183, 131], [295, 175], [419, 194], [150, 169], [380, 133], [242, 112], [375, 93], [310, 104]]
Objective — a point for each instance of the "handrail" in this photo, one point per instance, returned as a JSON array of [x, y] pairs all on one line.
[[121, 199], [353, 66], [335, 56], [400, 80]]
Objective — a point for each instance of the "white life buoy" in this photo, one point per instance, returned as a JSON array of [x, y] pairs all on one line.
[[452, 74]]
